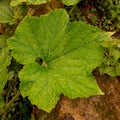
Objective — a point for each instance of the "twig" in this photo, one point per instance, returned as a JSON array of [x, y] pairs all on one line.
[[71, 10], [8, 105]]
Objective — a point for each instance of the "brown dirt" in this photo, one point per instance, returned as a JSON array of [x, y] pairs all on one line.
[[37, 10], [3, 29]]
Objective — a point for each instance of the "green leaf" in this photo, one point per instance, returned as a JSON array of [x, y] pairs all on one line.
[[110, 70], [9, 14], [3, 40], [4, 59], [4, 62], [58, 57], [70, 2], [6, 14], [118, 69], [115, 53], [16, 2], [110, 61]]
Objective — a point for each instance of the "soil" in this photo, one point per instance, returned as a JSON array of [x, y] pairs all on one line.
[[101, 107]]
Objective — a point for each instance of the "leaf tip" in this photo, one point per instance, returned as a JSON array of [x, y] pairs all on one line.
[[102, 93]]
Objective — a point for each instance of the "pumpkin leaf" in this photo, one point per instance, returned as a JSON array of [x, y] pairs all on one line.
[[3, 40], [9, 14], [36, 2], [4, 59], [58, 58], [16, 2], [4, 62], [70, 2]]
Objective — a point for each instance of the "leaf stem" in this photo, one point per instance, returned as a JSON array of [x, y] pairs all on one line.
[[8, 105], [71, 10]]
